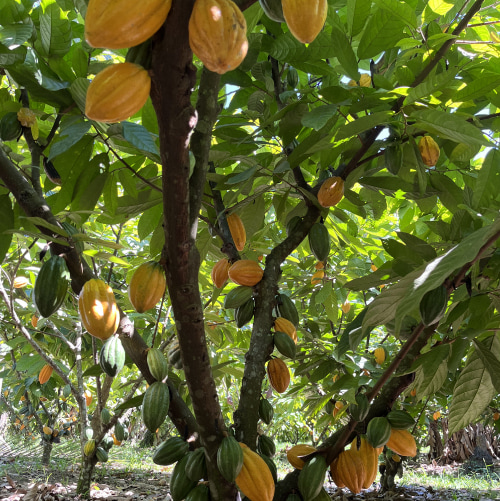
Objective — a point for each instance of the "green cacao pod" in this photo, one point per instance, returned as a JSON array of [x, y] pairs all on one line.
[[200, 493], [312, 478], [112, 356], [292, 77], [105, 415], [266, 446], [433, 305], [157, 364], [378, 432], [170, 451], [89, 447], [400, 420], [266, 411], [119, 431], [180, 483], [229, 458], [196, 466], [272, 466], [284, 344], [293, 497], [238, 296], [107, 442], [51, 286], [244, 313], [174, 356], [155, 406], [360, 409], [10, 127], [292, 224], [102, 454], [286, 309], [393, 156], [273, 10], [66, 391], [319, 241]]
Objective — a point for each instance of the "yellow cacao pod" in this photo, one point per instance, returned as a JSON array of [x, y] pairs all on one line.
[[379, 354], [47, 430], [34, 321], [278, 374], [402, 442], [317, 277], [147, 286], [119, 24], [98, 310], [429, 151], [237, 230], [117, 92], [369, 456], [255, 479], [396, 458], [220, 273], [335, 475], [305, 18], [45, 374], [331, 191], [320, 265], [350, 470], [346, 306], [294, 452], [89, 447], [88, 397], [246, 272], [283, 325], [217, 34], [365, 80]]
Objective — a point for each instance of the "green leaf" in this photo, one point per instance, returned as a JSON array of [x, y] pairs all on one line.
[[68, 137], [490, 361], [449, 193], [242, 176], [140, 137], [362, 124], [431, 370], [487, 182], [149, 220], [131, 403], [479, 87], [6, 223], [440, 7], [382, 32], [15, 34], [400, 10], [429, 86], [473, 390], [357, 14], [449, 126], [352, 335], [55, 29], [318, 117], [9, 57], [345, 54]]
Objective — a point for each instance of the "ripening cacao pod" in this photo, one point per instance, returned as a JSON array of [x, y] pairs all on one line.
[[47, 430], [284, 344], [199, 493], [378, 432], [147, 286], [346, 307], [115, 440], [266, 446], [350, 470], [10, 127], [402, 442], [246, 272], [237, 297], [196, 465], [220, 273], [180, 483], [278, 374], [20, 282], [244, 313], [170, 451], [312, 478], [433, 305], [429, 151], [436, 415], [217, 34], [266, 411], [89, 447], [334, 473], [331, 192], [34, 321], [229, 458], [255, 479], [379, 354], [273, 10], [305, 18], [157, 364], [400, 420], [155, 405], [319, 241], [396, 458], [51, 285], [369, 456], [45, 374], [88, 397], [365, 80], [237, 229], [496, 416], [98, 310], [283, 325], [294, 452], [117, 92], [317, 277], [119, 24], [112, 356], [286, 309]]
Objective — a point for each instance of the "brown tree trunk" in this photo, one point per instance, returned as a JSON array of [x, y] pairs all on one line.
[[86, 474], [47, 451]]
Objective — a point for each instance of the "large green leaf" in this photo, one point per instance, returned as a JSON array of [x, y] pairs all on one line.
[[486, 187], [55, 29], [399, 9], [345, 54], [431, 370], [358, 12]]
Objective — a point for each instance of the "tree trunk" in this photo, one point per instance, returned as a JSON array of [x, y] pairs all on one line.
[[86, 474], [47, 451]]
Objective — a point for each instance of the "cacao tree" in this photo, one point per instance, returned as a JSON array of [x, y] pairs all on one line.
[[334, 164]]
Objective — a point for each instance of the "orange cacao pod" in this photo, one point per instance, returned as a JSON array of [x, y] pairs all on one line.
[[496, 416], [436, 415], [217, 34], [429, 151], [117, 92], [88, 397], [278, 374], [34, 321], [98, 310], [402, 442], [147, 286], [379, 354], [220, 273], [369, 455], [45, 373], [246, 272], [320, 265], [305, 18], [331, 191], [283, 325], [335, 474], [20, 282], [317, 277], [346, 306], [237, 230], [119, 24], [351, 470], [293, 454], [255, 479]]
